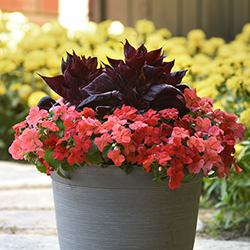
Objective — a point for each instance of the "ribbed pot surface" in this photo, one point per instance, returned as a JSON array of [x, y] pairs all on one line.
[[105, 209]]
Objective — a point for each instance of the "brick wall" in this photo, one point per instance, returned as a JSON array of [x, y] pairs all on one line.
[[38, 11]]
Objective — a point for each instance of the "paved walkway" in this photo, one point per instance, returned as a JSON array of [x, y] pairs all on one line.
[[27, 219]]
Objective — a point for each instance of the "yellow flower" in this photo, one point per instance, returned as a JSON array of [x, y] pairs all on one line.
[[238, 148], [245, 117], [144, 26], [206, 88], [15, 86], [34, 60], [35, 97], [7, 66], [154, 41], [164, 32], [196, 38], [234, 83], [24, 91], [219, 104], [2, 90]]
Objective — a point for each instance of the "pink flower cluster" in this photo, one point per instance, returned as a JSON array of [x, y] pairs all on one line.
[[160, 141]]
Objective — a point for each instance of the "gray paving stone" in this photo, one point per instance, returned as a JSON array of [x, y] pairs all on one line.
[[30, 242], [14, 175], [37, 198], [36, 242], [201, 244], [28, 220]]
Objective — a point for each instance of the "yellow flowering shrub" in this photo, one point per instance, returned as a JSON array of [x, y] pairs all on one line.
[[216, 69]]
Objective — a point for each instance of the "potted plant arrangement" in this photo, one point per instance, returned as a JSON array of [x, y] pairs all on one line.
[[133, 115]]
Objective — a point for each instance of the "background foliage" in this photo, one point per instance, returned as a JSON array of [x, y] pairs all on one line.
[[217, 69]]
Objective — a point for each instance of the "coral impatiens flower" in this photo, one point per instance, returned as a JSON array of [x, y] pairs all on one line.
[[122, 135], [116, 157], [103, 141], [50, 125], [16, 149], [36, 116], [30, 140]]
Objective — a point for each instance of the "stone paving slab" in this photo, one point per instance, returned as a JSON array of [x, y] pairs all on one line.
[[16, 175], [30, 242], [34, 242], [27, 220], [35, 198], [201, 244]]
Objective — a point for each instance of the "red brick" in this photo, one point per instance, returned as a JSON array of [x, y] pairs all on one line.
[[40, 19], [49, 6], [18, 5]]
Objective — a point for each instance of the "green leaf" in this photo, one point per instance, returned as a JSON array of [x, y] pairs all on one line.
[[128, 167], [66, 166], [40, 167], [60, 125], [94, 158], [224, 189], [54, 163], [61, 174], [188, 177], [106, 149], [93, 149]]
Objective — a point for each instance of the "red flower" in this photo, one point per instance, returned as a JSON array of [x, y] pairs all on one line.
[[196, 165], [169, 113], [50, 125], [121, 135], [151, 117], [175, 178], [147, 163], [102, 141], [196, 143], [116, 157], [51, 141], [75, 155], [60, 152]]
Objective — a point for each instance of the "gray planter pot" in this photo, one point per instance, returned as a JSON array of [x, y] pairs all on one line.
[[105, 209]]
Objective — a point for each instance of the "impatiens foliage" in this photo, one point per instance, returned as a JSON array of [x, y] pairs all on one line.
[[162, 142]]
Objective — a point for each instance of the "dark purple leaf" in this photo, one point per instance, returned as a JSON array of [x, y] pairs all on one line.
[[129, 50], [180, 74], [68, 62], [155, 90], [46, 103], [78, 69], [103, 83], [181, 87], [169, 101], [125, 72], [104, 99], [168, 66], [136, 62], [113, 62], [151, 71], [153, 56], [92, 63]]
